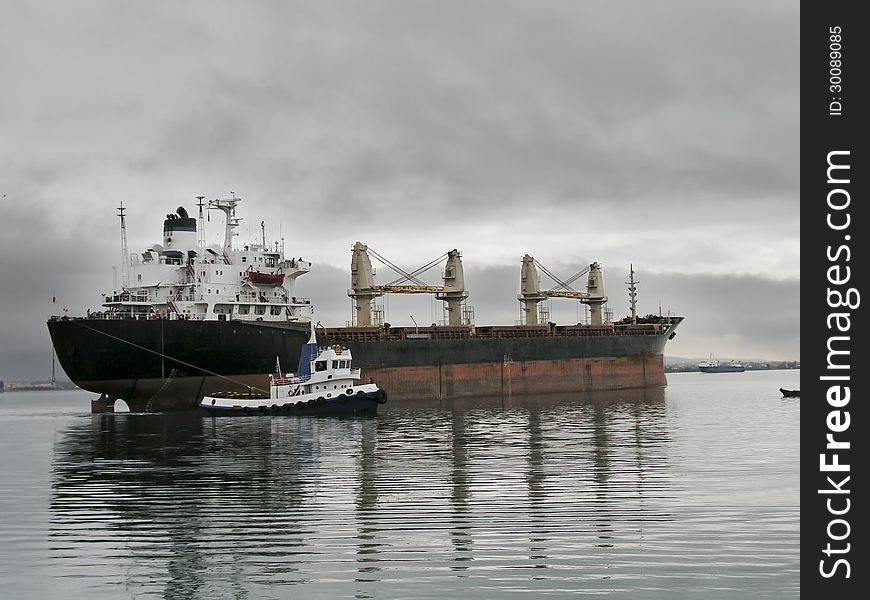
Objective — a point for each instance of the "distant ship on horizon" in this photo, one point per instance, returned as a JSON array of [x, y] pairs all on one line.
[[714, 366]]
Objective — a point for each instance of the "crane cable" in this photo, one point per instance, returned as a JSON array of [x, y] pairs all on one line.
[[406, 276], [562, 284]]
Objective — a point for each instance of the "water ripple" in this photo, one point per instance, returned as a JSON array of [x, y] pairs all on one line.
[[658, 494]]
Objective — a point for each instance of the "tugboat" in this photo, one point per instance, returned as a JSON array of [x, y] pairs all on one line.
[[326, 384]]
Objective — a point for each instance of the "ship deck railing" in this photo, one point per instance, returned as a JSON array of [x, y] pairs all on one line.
[[375, 334]]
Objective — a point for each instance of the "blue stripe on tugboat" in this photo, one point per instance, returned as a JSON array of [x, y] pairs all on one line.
[[326, 384]]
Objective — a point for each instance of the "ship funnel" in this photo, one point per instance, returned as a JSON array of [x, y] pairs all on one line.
[[179, 237], [309, 352]]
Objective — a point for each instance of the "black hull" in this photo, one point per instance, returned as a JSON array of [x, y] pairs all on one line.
[[159, 364]]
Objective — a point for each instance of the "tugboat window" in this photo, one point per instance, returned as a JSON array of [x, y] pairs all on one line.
[[320, 365]]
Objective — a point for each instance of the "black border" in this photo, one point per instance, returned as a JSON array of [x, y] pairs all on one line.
[[821, 133]]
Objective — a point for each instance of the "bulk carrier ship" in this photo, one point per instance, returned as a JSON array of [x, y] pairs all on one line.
[[190, 319]]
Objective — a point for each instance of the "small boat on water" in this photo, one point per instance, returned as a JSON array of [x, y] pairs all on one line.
[[790, 393], [326, 384], [714, 366]]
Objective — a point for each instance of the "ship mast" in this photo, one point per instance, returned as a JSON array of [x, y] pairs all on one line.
[[632, 294], [125, 257], [228, 207], [201, 227]]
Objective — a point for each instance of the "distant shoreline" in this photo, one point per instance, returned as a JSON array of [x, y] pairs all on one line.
[[694, 369], [38, 387]]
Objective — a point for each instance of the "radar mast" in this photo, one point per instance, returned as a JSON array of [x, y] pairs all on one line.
[[125, 256], [228, 206]]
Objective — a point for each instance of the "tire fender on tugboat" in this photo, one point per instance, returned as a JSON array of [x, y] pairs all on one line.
[[381, 397]]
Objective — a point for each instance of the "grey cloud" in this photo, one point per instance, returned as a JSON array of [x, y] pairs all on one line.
[[621, 130]]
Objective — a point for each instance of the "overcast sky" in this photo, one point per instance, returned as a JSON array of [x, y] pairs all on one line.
[[663, 134]]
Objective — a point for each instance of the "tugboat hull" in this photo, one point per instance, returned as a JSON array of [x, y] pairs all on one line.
[[365, 404]]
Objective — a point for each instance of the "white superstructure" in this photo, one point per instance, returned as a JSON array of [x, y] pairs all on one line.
[[181, 279]]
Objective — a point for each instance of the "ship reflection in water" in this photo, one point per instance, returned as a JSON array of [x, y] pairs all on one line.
[[521, 495]]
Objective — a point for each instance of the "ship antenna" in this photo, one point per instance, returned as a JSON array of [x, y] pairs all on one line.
[[632, 294], [125, 257], [201, 236], [263, 228]]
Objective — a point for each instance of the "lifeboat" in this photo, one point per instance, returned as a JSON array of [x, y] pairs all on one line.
[[259, 278]]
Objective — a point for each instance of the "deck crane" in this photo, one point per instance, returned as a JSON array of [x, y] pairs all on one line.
[[364, 291], [531, 294]]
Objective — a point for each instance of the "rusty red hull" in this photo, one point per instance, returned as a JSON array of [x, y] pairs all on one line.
[[520, 377]]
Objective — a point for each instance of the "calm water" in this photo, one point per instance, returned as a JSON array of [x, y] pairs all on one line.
[[688, 492]]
